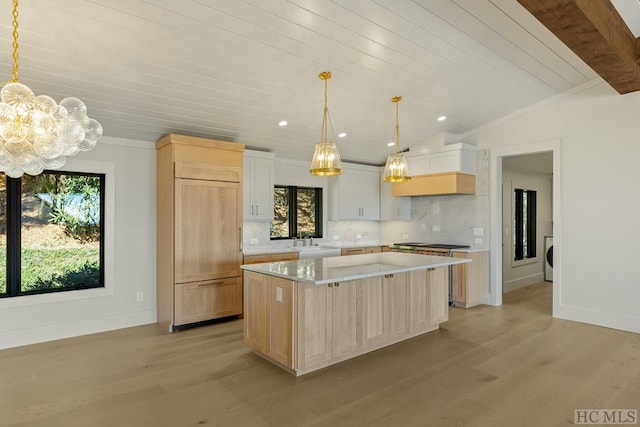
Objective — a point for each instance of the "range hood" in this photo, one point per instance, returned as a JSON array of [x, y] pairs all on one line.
[[436, 184]]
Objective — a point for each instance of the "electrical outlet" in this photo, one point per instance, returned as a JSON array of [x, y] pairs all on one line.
[[478, 231], [139, 296], [254, 241], [405, 236], [436, 228], [477, 240], [336, 237], [358, 236]]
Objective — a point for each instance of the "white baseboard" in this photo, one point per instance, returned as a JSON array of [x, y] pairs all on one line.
[[20, 337], [521, 282]]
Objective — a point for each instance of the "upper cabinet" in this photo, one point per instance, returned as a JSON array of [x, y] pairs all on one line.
[[446, 170], [450, 158], [393, 208], [258, 185], [355, 195]]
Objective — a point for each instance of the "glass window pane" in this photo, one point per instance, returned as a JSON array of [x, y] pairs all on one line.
[[60, 232], [3, 234], [306, 214], [280, 224]]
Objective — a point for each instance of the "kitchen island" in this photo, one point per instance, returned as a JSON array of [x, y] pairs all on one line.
[[308, 314]]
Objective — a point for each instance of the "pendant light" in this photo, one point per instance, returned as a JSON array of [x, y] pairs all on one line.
[[396, 170], [326, 159], [35, 132]]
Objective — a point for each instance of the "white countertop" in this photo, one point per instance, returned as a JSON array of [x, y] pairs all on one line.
[[320, 271], [470, 250], [276, 249]]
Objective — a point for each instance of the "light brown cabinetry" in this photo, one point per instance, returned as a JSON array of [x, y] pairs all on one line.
[[361, 250], [258, 259], [342, 320], [470, 280], [270, 327], [199, 220]]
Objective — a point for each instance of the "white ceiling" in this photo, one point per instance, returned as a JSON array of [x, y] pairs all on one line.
[[232, 69]]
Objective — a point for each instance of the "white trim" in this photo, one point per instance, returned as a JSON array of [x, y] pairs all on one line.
[[76, 165], [495, 214], [521, 282]]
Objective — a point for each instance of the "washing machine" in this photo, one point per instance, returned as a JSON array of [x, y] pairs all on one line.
[[548, 258]]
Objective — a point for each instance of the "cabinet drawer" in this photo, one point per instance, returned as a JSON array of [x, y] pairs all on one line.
[[257, 259], [352, 251], [198, 301]]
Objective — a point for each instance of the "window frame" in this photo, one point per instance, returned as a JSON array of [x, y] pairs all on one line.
[[13, 265], [520, 234], [293, 211]]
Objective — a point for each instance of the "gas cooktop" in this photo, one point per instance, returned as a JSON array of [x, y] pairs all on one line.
[[431, 245]]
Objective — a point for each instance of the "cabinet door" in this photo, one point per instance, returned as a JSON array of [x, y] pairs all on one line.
[[419, 302], [258, 189], [348, 195], [346, 312], [397, 301], [438, 279], [256, 309], [315, 325], [368, 193], [280, 346], [460, 280], [207, 230], [373, 313], [196, 302], [393, 208], [262, 189]]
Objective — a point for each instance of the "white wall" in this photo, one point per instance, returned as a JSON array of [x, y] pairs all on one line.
[[596, 247], [130, 256], [516, 274]]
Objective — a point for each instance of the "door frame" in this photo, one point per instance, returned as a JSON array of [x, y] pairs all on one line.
[[495, 215]]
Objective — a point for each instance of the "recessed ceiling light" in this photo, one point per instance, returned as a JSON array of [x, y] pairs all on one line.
[[283, 123], [391, 144], [342, 134], [442, 118]]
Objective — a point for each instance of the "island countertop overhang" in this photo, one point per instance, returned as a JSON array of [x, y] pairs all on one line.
[[321, 271]]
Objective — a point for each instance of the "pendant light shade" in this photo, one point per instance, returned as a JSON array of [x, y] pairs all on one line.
[[396, 170], [326, 158], [36, 133]]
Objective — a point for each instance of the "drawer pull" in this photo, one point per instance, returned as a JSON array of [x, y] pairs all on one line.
[[210, 284]]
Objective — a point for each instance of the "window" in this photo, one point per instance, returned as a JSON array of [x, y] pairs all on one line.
[[297, 211], [524, 224], [51, 233]]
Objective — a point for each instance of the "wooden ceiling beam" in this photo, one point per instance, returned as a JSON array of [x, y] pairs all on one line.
[[594, 30]]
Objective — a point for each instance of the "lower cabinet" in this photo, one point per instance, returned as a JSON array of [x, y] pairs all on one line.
[[304, 327], [268, 321], [470, 280], [200, 301]]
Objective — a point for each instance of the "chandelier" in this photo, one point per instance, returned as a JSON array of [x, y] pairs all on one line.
[[396, 170], [35, 132], [326, 159]]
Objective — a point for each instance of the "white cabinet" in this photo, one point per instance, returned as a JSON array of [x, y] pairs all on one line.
[[393, 208], [450, 158], [355, 195], [258, 185]]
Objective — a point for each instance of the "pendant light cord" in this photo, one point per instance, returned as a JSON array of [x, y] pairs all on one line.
[[15, 42], [323, 137], [396, 100]]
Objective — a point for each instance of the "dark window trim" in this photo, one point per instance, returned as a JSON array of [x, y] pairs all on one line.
[[14, 236], [531, 229], [293, 211]]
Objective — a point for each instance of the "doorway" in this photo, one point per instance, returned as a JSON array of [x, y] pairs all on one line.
[[497, 157], [527, 218]]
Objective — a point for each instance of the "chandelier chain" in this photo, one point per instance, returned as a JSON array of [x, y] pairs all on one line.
[[15, 42]]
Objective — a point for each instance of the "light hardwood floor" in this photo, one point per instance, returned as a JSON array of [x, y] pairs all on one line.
[[488, 366]]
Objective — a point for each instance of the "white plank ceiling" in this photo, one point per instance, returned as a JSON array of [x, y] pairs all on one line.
[[232, 69]]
